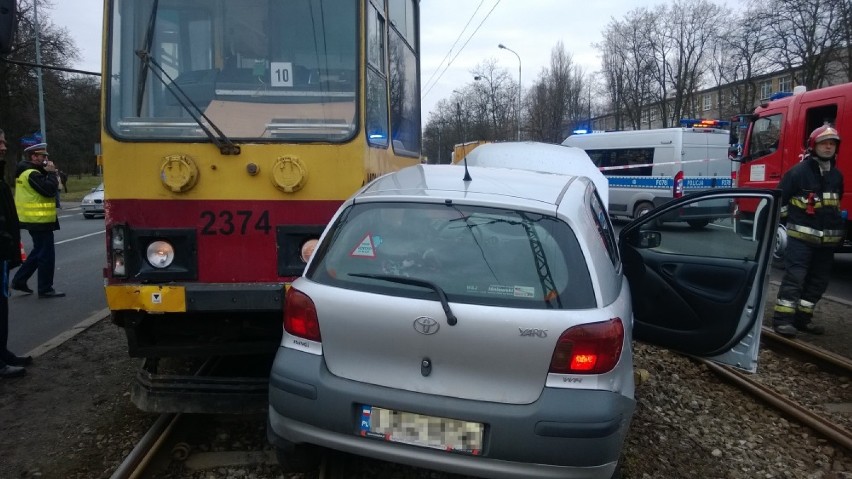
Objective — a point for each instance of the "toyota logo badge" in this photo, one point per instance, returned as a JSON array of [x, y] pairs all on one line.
[[426, 325]]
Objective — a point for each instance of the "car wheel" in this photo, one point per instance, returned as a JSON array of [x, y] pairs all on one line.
[[697, 224], [642, 209], [88, 216], [299, 457], [780, 246]]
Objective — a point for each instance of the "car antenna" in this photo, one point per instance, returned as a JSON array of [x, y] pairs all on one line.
[[466, 173]]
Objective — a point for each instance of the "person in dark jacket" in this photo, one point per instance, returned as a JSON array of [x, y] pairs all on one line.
[[36, 185], [810, 195], [11, 365]]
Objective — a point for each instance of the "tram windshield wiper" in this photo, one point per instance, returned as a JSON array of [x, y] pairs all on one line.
[[451, 318], [225, 145]]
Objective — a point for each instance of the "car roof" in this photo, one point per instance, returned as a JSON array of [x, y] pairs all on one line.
[[543, 157], [487, 184]]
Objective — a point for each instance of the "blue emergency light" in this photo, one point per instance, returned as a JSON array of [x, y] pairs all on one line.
[[779, 95]]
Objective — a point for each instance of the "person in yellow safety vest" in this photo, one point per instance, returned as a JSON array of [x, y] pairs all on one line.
[[36, 185], [810, 195]]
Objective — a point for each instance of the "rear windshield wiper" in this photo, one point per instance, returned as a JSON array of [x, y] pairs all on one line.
[[451, 318]]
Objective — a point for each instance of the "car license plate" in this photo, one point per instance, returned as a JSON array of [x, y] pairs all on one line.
[[426, 431]]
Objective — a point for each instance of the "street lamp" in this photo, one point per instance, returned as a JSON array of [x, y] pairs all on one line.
[[504, 47]]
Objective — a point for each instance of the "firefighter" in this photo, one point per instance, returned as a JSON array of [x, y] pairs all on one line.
[[810, 194]]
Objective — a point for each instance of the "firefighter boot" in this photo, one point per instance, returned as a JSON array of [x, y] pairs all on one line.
[[804, 315], [786, 330]]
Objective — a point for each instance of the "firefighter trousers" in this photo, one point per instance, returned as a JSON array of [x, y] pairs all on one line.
[[807, 270]]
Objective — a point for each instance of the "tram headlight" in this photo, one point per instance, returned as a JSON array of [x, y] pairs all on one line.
[[160, 254], [117, 242], [118, 237], [308, 248]]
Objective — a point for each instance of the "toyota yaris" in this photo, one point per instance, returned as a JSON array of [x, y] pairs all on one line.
[[480, 321]]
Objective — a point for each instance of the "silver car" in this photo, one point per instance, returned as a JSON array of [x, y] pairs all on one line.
[[93, 203], [485, 326]]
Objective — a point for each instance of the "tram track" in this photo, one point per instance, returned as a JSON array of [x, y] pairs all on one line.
[[140, 457], [802, 352]]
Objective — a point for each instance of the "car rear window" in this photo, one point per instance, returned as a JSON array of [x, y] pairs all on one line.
[[477, 255]]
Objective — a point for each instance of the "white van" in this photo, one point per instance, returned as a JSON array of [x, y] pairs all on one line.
[[646, 168]]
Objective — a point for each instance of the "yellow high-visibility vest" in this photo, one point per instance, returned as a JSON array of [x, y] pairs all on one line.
[[32, 207]]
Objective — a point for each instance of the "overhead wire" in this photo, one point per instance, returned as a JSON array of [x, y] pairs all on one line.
[[450, 51], [428, 88]]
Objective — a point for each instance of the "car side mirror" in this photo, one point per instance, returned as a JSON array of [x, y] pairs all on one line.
[[646, 239]]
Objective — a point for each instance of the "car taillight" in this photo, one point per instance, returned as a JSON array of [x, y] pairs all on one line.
[[588, 349], [678, 185], [300, 316]]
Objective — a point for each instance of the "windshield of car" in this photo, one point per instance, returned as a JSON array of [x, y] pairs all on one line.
[[477, 255]]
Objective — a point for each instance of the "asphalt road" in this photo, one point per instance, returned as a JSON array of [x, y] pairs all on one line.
[[80, 258]]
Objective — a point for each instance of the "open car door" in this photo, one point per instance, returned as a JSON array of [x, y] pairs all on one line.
[[702, 291]]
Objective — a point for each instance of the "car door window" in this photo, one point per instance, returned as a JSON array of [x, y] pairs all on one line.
[[718, 239]]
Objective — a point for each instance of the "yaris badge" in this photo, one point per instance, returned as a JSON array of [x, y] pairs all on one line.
[[426, 325]]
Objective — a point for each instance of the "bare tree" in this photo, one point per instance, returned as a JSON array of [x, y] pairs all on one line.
[[633, 46], [65, 119], [806, 34], [846, 32], [690, 27], [554, 101], [494, 102], [744, 52]]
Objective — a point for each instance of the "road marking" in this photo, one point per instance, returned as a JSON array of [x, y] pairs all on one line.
[[81, 237], [76, 208]]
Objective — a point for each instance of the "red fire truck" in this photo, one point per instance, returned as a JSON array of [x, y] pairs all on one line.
[[773, 139]]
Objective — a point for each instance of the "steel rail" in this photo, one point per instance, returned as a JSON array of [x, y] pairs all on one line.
[[140, 456], [839, 435], [818, 353], [146, 448]]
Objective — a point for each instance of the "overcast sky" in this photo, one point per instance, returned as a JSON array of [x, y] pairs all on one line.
[[456, 35]]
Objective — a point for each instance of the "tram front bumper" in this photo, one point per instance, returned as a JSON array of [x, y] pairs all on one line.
[[255, 297]]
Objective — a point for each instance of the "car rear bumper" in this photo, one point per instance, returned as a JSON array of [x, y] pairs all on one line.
[[565, 433]]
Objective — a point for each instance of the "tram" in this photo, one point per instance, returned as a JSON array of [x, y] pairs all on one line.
[[232, 131]]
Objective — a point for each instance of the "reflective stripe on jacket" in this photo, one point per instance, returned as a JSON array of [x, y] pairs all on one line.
[[32, 207], [811, 203]]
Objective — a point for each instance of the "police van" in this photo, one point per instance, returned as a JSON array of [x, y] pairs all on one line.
[[646, 168]]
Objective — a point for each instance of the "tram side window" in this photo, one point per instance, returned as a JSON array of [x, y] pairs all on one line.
[[377, 103], [624, 161], [404, 79]]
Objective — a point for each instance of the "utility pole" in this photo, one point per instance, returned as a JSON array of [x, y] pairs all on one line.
[[42, 127]]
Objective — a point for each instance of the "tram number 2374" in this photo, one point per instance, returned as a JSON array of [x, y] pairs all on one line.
[[239, 222]]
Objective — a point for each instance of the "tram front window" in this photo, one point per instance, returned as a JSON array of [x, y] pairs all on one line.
[[258, 69]]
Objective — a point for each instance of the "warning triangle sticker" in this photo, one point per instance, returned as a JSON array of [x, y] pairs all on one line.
[[365, 248]]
